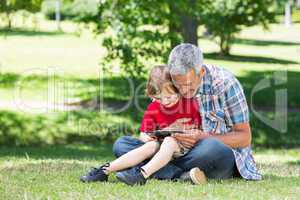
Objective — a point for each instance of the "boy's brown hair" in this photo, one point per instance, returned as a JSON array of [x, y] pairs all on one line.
[[159, 79]]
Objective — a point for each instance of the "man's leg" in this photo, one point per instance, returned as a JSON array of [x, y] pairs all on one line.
[[127, 143], [213, 157]]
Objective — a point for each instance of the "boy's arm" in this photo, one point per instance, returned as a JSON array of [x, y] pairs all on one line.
[[148, 124]]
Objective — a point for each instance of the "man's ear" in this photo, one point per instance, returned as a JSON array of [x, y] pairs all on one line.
[[202, 72]]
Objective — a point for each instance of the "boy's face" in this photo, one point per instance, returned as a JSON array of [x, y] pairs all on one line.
[[167, 99]]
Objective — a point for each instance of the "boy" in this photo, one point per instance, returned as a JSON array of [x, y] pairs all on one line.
[[167, 107]]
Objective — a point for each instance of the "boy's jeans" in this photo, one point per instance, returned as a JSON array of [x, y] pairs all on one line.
[[210, 155]]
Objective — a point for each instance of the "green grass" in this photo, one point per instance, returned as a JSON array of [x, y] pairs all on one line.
[[52, 173], [23, 51], [28, 52]]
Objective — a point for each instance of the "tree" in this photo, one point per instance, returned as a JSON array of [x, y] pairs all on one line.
[[9, 6], [144, 31], [224, 19], [76, 10]]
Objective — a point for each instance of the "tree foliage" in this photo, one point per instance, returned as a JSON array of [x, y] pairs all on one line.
[[225, 18], [77, 10], [9, 6], [144, 31], [139, 32]]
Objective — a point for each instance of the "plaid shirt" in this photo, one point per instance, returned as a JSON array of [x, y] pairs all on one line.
[[222, 104]]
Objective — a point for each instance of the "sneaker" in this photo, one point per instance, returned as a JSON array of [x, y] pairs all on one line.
[[132, 176], [96, 174], [195, 175]]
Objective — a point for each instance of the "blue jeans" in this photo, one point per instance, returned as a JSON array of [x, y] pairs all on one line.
[[213, 157]]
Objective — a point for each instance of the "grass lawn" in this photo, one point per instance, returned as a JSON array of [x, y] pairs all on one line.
[[24, 51], [52, 173]]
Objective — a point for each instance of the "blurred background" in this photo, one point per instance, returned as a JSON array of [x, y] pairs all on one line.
[[72, 77], [65, 64]]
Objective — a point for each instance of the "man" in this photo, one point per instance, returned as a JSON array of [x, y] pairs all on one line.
[[223, 107], [222, 149]]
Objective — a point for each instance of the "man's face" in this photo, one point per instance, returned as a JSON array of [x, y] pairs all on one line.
[[188, 84]]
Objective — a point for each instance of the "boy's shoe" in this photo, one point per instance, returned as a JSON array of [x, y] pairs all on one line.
[[132, 176], [195, 175], [96, 174]]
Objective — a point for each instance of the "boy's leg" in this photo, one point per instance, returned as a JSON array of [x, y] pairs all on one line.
[[133, 157], [127, 143], [167, 149], [142, 150], [211, 156]]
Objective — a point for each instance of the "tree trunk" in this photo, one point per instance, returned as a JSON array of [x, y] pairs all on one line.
[[58, 14], [225, 45], [9, 21], [189, 28], [287, 15], [173, 31], [174, 28], [297, 3], [183, 24]]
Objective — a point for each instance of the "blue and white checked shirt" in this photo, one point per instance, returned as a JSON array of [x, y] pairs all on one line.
[[222, 104]]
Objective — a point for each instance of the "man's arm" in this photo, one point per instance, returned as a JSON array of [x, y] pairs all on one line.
[[240, 136]]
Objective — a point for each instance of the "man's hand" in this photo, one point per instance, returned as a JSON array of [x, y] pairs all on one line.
[[190, 137]]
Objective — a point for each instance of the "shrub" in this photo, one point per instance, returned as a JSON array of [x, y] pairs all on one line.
[[78, 10], [81, 126]]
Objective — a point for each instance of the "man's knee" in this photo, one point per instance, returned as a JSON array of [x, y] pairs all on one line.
[[208, 150], [221, 157], [212, 149], [212, 146], [212, 156], [125, 144]]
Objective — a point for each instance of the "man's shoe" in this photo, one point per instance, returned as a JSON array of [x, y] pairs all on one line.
[[96, 174], [132, 176], [195, 176]]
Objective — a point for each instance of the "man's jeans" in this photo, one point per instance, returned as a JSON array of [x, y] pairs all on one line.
[[210, 155]]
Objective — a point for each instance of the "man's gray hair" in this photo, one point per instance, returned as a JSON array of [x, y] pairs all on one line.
[[185, 57]]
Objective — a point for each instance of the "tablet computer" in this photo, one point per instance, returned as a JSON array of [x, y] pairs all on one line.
[[164, 133]]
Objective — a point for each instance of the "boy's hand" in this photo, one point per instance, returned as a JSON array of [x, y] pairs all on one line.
[[144, 137]]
